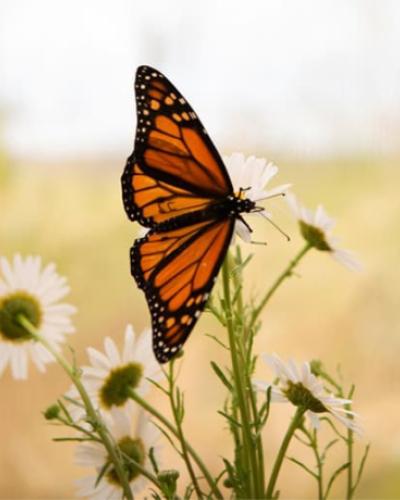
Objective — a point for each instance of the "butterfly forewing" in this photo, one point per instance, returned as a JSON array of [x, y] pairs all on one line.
[[175, 167], [177, 269]]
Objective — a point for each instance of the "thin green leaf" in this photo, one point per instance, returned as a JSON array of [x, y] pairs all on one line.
[[65, 410], [327, 448], [334, 476], [361, 467], [241, 265], [213, 310], [180, 407], [300, 464], [153, 460], [236, 294], [351, 392], [220, 476], [265, 408], [168, 437], [230, 419], [103, 470], [160, 387], [82, 439], [221, 375], [74, 401], [334, 428], [302, 441], [217, 340]]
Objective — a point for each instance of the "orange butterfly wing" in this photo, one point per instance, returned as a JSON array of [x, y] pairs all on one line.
[[175, 168], [177, 269]]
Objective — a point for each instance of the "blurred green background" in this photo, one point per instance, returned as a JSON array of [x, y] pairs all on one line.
[[313, 86]]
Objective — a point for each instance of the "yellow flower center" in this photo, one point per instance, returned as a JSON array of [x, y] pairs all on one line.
[[299, 395], [315, 236], [132, 450], [11, 308], [115, 390]]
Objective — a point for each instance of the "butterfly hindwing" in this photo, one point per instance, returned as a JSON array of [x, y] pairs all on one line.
[[175, 168], [176, 269]]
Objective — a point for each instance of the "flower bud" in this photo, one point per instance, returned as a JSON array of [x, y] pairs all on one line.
[[52, 412], [168, 480], [316, 367]]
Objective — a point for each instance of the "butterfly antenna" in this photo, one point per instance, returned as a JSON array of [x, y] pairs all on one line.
[[275, 195], [261, 212]]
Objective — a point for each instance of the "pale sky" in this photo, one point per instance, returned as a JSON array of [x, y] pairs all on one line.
[[309, 77]]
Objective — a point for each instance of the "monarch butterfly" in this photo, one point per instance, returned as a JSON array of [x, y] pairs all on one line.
[[176, 184]]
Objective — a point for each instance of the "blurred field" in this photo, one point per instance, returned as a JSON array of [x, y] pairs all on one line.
[[72, 214]]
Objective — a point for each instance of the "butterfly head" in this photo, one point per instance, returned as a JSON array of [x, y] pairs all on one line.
[[243, 204]]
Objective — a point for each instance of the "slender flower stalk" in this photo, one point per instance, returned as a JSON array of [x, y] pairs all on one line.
[[287, 273], [92, 414], [176, 402], [319, 461], [312, 436], [166, 423], [296, 422]]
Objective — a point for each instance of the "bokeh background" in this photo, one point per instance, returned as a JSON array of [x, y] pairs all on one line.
[[313, 86]]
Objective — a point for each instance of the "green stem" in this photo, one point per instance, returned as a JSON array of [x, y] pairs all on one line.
[[259, 443], [94, 417], [313, 443], [249, 449], [246, 359], [145, 405], [350, 489], [296, 421], [178, 422], [314, 446], [350, 435], [286, 274]]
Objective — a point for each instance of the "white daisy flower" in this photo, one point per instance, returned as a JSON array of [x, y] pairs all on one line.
[[316, 228], [112, 374], [252, 175], [297, 385], [27, 289], [135, 440]]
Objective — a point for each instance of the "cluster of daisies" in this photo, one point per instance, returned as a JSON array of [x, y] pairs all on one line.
[[35, 292], [29, 290]]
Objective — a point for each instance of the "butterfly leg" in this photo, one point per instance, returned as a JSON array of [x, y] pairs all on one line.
[[245, 223]]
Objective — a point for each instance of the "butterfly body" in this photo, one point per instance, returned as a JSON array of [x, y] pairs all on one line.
[[229, 207], [176, 184]]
